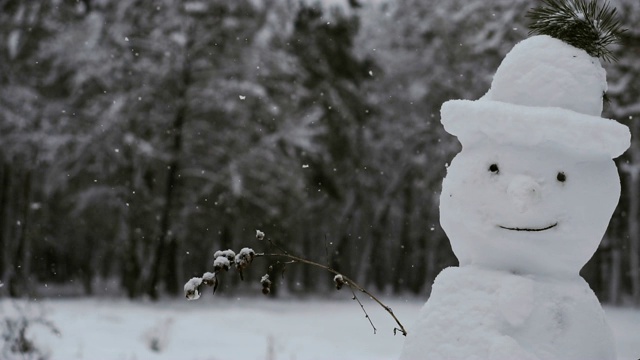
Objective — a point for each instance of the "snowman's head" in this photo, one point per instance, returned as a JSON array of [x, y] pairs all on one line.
[[534, 187], [523, 209]]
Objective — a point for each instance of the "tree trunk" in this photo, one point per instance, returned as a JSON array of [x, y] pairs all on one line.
[[405, 258], [633, 215], [612, 275], [613, 291], [629, 41], [378, 262], [4, 221], [165, 259], [131, 267], [341, 257], [633, 191], [18, 283], [308, 280], [171, 278]]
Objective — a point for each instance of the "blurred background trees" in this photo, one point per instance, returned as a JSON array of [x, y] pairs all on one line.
[[139, 137]]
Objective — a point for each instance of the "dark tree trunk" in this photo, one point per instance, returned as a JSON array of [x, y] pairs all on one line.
[[131, 268], [614, 272], [379, 266], [166, 250], [632, 169], [18, 283], [164, 266], [309, 280], [171, 278], [404, 259], [340, 259], [4, 222], [634, 229]]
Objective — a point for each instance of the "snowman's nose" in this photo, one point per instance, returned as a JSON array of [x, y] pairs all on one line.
[[524, 191]]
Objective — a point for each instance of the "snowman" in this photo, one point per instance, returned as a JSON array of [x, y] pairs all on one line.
[[525, 205]]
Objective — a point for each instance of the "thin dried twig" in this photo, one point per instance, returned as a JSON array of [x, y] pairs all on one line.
[[351, 283], [355, 297], [226, 259]]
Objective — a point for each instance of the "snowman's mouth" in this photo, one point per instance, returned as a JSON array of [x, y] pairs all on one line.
[[528, 229]]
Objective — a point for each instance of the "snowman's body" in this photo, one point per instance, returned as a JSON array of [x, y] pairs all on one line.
[[475, 313], [525, 205]]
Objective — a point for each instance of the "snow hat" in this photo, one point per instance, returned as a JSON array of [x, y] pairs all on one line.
[[544, 92]]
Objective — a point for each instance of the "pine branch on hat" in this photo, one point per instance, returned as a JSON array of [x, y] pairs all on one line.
[[580, 23]]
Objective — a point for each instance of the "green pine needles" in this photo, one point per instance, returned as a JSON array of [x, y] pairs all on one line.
[[581, 23]]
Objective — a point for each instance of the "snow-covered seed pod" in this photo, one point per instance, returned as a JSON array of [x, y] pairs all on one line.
[[339, 281], [265, 281], [209, 279], [259, 235], [221, 263], [229, 254], [244, 258], [192, 288], [266, 284]]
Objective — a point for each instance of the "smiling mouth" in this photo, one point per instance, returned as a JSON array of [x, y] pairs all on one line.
[[528, 229]]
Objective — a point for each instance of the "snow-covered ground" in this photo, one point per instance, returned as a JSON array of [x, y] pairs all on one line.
[[242, 328]]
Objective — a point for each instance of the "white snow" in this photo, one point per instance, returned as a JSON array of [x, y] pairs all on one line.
[[215, 327], [546, 72], [477, 121], [221, 262], [208, 276], [229, 254]]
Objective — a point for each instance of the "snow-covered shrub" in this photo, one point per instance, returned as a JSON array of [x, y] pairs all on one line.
[[17, 338]]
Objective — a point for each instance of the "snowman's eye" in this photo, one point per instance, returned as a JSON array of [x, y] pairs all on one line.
[[494, 168], [561, 177]]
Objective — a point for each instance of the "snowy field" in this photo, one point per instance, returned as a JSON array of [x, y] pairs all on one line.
[[251, 328]]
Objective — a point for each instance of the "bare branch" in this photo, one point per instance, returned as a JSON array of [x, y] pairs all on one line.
[[224, 259], [365, 311], [350, 282]]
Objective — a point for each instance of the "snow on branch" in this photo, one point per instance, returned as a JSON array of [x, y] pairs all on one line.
[[192, 288], [225, 260]]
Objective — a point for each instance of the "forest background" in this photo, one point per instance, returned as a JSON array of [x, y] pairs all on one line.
[[138, 137]]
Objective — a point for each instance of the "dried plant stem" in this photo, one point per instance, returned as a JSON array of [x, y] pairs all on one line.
[[351, 283], [355, 297]]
